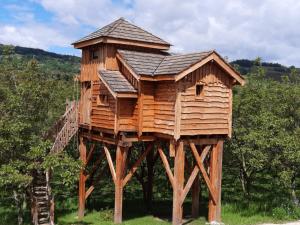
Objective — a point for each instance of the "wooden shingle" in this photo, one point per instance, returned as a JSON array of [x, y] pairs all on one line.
[[160, 63], [116, 81], [122, 29]]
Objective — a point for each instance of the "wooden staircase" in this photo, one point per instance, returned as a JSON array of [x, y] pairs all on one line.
[[61, 132]]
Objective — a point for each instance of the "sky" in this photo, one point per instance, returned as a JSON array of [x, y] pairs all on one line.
[[237, 29]]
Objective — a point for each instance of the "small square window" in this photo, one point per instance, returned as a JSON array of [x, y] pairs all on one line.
[[94, 54], [102, 99], [199, 91]]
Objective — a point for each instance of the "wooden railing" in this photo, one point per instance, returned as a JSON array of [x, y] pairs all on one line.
[[69, 127]]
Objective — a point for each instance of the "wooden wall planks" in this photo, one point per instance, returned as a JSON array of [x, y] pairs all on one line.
[[210, 114]]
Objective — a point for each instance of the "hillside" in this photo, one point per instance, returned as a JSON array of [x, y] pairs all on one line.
[[55, 65], [65, 66], [273, 70]]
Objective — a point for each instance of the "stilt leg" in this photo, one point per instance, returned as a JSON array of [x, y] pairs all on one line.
[[195, 197], [214, 210], [178, 184], [121, 156], [150, 165], [82, 150]]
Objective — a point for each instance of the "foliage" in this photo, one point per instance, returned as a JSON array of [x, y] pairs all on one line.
[[261, 162], [28, 108]]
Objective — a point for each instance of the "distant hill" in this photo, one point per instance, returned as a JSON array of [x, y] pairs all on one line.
[[65, 66], [273, 70], [58, 66]]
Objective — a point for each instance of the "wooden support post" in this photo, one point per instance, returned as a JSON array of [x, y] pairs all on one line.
[[121, 156], [82, 151], [195, 197], [196, 192], [178, 184], [150, 175], [214, 207]]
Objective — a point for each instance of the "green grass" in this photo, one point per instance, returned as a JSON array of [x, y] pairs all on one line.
[[135, 214]]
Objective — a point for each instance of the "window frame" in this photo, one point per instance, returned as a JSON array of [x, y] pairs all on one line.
[[201, 95], [102, 99]]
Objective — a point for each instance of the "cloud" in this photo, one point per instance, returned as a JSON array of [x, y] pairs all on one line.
[[235, 28], [32, 35]]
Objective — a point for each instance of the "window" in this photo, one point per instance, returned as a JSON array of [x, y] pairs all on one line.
[[94, 54], [102, 99], [199, 91]]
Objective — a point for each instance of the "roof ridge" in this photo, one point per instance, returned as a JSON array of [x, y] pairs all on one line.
[[136, 26], [191, 53], [115, 25], [159, 65]]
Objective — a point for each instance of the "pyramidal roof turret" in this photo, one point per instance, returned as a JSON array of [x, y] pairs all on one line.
[[122, 32]]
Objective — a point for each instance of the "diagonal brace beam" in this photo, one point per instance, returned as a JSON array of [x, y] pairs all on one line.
[[166, 165], [194, 173], [136, 164], [203, 171], [110, 163]]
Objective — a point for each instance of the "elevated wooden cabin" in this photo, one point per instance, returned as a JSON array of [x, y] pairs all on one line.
[[132, 85]]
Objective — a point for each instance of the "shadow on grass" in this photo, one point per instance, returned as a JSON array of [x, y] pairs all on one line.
[[132, 209]]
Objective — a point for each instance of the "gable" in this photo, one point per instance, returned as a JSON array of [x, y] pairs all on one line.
[[216, 58], [157, 65]]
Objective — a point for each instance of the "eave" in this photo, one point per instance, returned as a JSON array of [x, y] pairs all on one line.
[[120, 41]]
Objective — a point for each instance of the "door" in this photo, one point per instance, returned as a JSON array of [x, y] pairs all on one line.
[[86, 103]]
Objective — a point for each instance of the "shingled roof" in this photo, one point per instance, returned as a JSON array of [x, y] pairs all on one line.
[[116, 82], [160, 63], [124, 30]]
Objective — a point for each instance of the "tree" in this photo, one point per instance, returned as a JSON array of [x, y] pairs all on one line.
[[265, 130], [27, 97]]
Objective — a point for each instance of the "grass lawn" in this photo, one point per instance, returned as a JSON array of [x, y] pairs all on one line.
[[135, 215]]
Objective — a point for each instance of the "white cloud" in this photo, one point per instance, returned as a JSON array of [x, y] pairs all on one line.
[[32, 35], [235, 28]]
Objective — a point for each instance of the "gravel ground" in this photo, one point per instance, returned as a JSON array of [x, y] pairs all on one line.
[[292, 223]]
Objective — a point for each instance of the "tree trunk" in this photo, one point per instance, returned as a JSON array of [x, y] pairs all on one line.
[[19, 201], [295, 199]]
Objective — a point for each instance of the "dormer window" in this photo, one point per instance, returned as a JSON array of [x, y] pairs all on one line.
[[94, 54], [199, 91]]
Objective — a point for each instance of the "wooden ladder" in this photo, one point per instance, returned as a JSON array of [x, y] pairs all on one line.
[[61, 132]]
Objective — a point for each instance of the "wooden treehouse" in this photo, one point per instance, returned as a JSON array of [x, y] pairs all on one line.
[[134, 90]]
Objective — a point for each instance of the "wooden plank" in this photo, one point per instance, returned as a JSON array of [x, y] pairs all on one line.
[[90, 154], [195, 196], [110, 163], [177, 125], [121, 157], [166, 165], [172, 147], [189, 183], [81, 201], [230, 115], [214, 206], [203, 172], [205, 132], [178, 184]]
